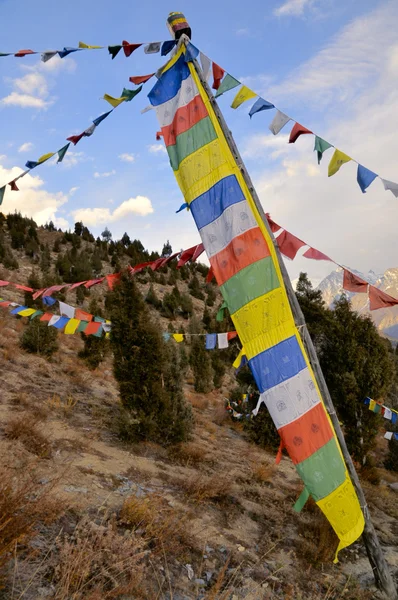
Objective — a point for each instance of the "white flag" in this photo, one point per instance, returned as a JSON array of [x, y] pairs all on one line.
[[206, 63], [54, 319], [47, 55], [152, 48], [390, 185], [90, 130], [388, 435], [222, 339], [278, 122], [260, 401], [66, 310], [147, 108], [387, 414]]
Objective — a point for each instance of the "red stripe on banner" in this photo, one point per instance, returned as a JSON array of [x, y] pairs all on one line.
[[307, 434], [241, 252], [185, 118]]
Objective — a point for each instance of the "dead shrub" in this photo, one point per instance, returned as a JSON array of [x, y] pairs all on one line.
[[163, 527], [187, 453], [65, 406], [26, 429], [221, 416], [202, 488], [96, 562], [200, 402], [263, 472], [318, 542]]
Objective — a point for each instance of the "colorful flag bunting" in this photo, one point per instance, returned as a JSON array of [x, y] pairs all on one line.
[[296, 131], [66, 310], [178, 337], [206, 64], [394, 418], [114, 50], [338, 160], [47, 55], [167, 47], [48, 300], [22, 53], [83, 315], [242, 96], [87, 47], [365, 177], [316, 254], [379, 299], [218, 74], [18, 309], [45, 157], [137, 79], [27, 312], [75, 138], [2, 192], [60, 323], [320, 147], [46, 317], [71, 326], [82, 326], [289, 244], [37, 313], [259, 105], [222, 340], [61, 153], [90, 130], [13, 186], [228, 83], [391, 186], [211, 340], [92, 328], [388, 435], [113, 101], [387, 413], [128, 48], [278, 122], [66, 51], [129, 94], [152, 48], [353, 283], [31, 164]]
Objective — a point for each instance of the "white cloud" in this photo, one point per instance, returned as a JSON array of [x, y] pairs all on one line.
[[106, 174], [125, 157], [26, 147], [156, 148], [140, 205], [277, 145], [242, 32], [73, 190], [32, 200], [293, 8], [71, 159], [24, 101]]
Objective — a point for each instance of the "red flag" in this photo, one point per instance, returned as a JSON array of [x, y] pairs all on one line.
[[82, 315], [52, 289], [38, 294], [92, 327], [199, 250], [75, 138], [379, 299], [3, 283], [75, 285], [218, 74], [139, 268], [112, 279], [232, 334], [24, 288], [274, 226], [316, 254], [5, 303], [168, 259], [129, 48], [137, 79], [297, 131], [24, 52], [92, 282], [185, 256], [46, 317], [289, 244], [352, 283], [13, 186], [159, 135], [210, 275], [156, 264]]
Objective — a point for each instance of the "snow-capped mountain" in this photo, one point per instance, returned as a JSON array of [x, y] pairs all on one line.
[[386, 319]]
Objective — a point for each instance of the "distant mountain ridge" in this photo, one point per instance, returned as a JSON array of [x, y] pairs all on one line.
[[386, 319]]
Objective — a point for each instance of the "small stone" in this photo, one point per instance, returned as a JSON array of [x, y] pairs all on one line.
[[44, 480], [208, 549], [209, 575], [222, 549], [241, 548], [200, 582], [394, 486], [77, 490]]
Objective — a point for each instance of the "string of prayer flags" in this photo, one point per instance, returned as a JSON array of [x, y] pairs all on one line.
[[320, 147], [152, 48], [137, 79], [218, 74], [260, 105], [242, 96], [353, 283], [114, 50], [315, 254], [338, 160], [114, 101], [129, 94], [228, 83], [128, 48], [87, 47], [22, 53], [377, 407], [391, 186], [211, 340], [365, 177], [296, 131], [67, 51], [289, 244], [278, 122], [379, 299]]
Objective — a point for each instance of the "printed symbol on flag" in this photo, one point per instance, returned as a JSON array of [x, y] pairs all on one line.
[[224, 264], [266, 371], [286, 359], [299, 396], [297, 441], [239, 251], [251, 280], [311, 384], [318, 476], [281, 405], [243, 216], [212, 238], [314, 428]]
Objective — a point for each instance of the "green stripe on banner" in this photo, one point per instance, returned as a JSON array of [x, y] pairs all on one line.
[[197, 136], [250, 283], [323, 471], [298, 507]]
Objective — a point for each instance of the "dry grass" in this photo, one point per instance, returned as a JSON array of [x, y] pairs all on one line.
[[200, 402], [188, 454], [201, 488], [221, 416], [64, 406], [318, 541], [262, 472], [27, 430]]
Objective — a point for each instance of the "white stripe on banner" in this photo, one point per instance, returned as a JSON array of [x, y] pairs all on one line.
[[165, 112]]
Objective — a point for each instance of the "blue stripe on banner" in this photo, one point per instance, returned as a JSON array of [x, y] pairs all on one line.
[[168, 85], [279, 363], [60, 324], [210, 205]]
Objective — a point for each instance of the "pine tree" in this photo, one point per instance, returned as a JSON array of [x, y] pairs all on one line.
[[153, 405], [200, 360], [95, 348], [39, 338], [167, 249], [106, 235]]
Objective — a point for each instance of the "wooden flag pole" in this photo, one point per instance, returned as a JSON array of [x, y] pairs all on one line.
[[377, 561]]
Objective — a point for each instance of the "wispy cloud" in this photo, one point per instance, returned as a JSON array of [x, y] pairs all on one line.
[[243, 32], [125, 157], [73, 190], [26, 147], [293, 8], [98, 175], [156, 148], [274, 146], [140, 205]]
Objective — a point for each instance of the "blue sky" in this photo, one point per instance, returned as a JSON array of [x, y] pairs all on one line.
[[330, 65]]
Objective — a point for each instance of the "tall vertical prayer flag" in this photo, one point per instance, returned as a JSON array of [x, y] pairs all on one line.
[[252, 285], [338, 159], [2, 192]]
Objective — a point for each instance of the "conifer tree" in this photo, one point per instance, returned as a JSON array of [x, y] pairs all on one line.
[[95, 348], [200, 360]]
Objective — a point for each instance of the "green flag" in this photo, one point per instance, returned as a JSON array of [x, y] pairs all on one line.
[[82, 326], [61, 153], [114, 50], [129, 94], [228, 83], [320, 146], [2, 192], [220, 313]]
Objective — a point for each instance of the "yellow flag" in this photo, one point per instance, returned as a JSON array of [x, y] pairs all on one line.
[[45, 157], [71, 326], [114, 101], [83, 45], [372, 405], [243, 94], [338, 159], [27, 312], [178, 337], [237, 362]]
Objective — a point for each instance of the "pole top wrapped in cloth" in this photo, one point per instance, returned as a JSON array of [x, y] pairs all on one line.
[[177, 25]]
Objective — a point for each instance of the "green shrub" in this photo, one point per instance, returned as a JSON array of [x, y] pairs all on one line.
[[39, 338]]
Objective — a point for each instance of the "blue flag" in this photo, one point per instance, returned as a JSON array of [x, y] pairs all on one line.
[[31, 164], [98, 120], [211, 340], [66, 51], [365, 177], [167, 47], [259, 105], [60, 324], [48, 300], [185, 205]]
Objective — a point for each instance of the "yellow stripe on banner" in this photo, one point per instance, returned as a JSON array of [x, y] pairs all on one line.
[[71, 326], [176, 21], [342, 510], [27, 312], [173, 60]]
